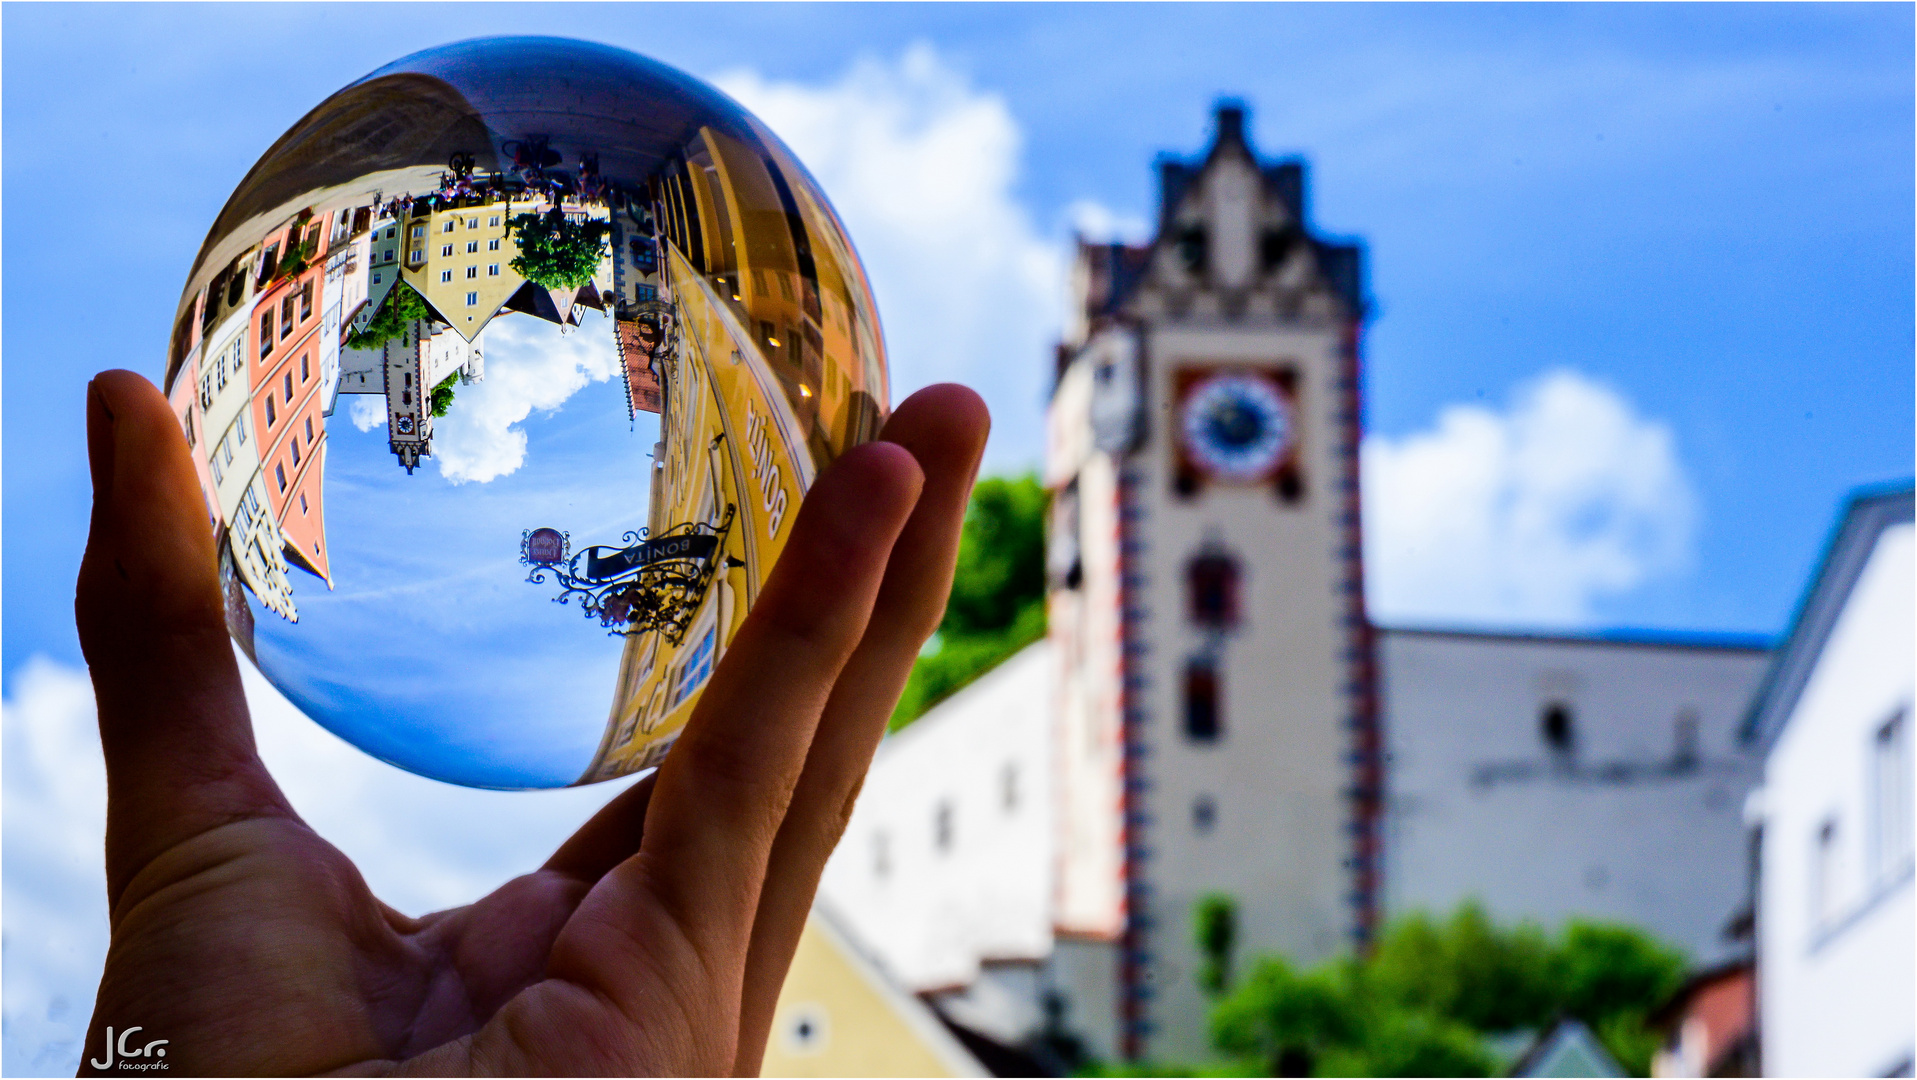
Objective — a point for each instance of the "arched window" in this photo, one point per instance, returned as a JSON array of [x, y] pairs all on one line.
[[1212, 585]]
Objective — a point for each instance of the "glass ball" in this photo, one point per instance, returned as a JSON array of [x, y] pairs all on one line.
[[504, 372]]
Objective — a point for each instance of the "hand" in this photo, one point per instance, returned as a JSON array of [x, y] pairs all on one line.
[[654, 941]]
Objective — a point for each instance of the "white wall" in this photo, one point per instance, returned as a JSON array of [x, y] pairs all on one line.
[[1479, 806], [930, 913], [1837, 990]]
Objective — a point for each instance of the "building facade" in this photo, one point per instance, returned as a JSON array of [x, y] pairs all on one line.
[[1833, 822]]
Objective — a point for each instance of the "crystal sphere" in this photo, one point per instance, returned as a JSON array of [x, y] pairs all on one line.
[[504, 372]]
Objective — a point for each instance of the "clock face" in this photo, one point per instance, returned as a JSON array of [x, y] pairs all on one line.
[[1237, 426]]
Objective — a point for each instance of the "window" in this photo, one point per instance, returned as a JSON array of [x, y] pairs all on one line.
[[493, 270], [376, 274], [1203, 724], [472, 223], [1204, 814], [309, 431], [1684, 751], [472, 272], [1826, 874], [492, 245], [449, 226], [942, 827], [1555, 725], [1008, 787], [1212, 579], [445, 275], [302, 502], [446, 251], [187, 422], [271, 415], [241, 428], [419, 231], [1890, 793], [472, 299], [493, 222], [305, 372], [266, 333], [306, 301], [286, 315], [279, 473], [472, 247], [219, 474], [288, 385], [296, 450], [389, 232]]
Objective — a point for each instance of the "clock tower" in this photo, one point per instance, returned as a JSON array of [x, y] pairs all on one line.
[[1217, 716]]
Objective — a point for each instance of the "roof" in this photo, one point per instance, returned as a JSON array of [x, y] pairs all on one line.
[[1626, 636], [1869, 513], [1568, 1049]]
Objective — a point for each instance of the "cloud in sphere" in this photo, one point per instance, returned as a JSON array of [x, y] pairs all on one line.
[[1531, 514], [367, 411], [921, 166], [530, 366], [421, 845]]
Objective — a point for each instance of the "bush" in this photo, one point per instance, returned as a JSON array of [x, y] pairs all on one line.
[[443, 394]]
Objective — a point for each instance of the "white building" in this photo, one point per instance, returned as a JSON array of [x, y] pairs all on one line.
[[405, 369], [1549, 777], [1837, 960], [1221, 716]]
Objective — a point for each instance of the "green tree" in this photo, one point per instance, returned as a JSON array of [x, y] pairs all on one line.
[[443, 395], [1215, 925], [997, 606], [1430, 992], [555, 251], [401, 308]]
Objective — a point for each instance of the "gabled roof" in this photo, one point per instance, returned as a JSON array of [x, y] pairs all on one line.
[[1871, 511], [1568, 1049]]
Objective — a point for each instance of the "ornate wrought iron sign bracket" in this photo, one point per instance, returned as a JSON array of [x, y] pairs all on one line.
[[652, 583]]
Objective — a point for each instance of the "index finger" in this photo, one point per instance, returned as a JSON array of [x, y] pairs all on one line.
[[723, 791]]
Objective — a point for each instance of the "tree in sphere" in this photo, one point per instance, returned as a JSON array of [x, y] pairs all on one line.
[[556, 252], [401, 308]]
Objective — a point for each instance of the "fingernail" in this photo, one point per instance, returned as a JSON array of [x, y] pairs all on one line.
[[100, 439]]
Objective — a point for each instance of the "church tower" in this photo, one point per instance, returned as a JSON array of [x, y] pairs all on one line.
[[1217, 715]]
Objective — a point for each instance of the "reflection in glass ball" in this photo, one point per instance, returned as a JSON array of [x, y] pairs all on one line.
[[504, 372]]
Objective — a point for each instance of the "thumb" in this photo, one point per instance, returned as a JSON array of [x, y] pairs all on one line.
[[173, 721]]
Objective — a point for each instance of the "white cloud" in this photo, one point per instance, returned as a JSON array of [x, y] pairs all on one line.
[[529, 365], [368, 411], [1529, 515], [421, 845], [921, 166], [1100, 224]]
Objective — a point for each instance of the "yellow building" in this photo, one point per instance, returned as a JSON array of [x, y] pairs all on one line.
[[776, 368], [839, 1015], [460, 260], [734, 460]]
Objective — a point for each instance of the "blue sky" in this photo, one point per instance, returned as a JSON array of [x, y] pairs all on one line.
[[1703, 211]]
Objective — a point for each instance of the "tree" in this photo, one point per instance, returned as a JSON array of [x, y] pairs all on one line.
[[1431, 991], [1215, 925], [997, 606], [555, 251], [443, 394], [400, 310]]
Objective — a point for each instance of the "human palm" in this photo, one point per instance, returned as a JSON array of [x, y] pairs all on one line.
[[654, 941]]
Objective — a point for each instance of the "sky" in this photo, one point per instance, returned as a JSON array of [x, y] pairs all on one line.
[[1641, 281]]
